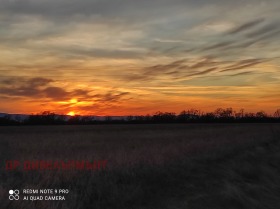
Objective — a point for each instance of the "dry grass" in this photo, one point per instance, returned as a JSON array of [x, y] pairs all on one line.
[[150, 166]]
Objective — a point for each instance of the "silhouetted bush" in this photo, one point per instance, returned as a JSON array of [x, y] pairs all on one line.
[[46, 118]]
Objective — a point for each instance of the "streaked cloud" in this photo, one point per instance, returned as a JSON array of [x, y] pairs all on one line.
[[246, 26], [102, 53]]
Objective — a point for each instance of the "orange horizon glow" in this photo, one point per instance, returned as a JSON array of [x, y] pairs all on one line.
[[150, 104], [152, 110]]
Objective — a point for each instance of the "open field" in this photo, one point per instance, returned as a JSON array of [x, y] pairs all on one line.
[[185, 166]]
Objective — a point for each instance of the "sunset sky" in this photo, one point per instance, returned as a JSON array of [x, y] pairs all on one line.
[[130, 57]]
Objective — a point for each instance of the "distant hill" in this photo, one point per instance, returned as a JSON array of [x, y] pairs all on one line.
[[22, 117], [16, 117]]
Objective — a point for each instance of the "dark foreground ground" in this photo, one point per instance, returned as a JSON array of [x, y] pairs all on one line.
[[184, 166]]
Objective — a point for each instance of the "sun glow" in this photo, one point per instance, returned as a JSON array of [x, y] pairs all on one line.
[[73, 101], [71, 113]]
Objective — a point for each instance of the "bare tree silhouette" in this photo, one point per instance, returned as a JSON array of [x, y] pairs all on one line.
[[221, 115]]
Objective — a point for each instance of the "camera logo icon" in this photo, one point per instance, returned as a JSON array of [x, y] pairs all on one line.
[[14, 194]]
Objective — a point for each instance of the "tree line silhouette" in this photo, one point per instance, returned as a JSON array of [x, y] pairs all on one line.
[[220, 115]]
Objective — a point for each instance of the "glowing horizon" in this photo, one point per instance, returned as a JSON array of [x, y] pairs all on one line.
[[133, 57]]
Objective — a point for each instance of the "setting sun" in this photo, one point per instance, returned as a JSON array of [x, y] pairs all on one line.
[[71, 113], [73, 101]]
